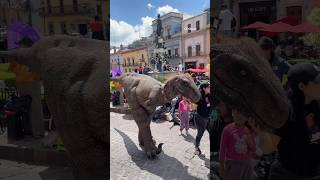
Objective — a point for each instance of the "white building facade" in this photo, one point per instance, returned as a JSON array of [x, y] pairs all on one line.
[[195, 41]]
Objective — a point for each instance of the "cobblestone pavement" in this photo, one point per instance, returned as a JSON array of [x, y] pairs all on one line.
[[12, 170], [177, 161]]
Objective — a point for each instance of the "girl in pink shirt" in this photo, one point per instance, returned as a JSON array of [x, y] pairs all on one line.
[[237, 148], [184, 109]]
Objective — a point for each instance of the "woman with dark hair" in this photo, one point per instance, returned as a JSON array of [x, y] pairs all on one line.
[[203, 112], [299, 146]]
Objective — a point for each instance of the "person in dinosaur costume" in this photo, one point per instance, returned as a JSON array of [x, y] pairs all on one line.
[[244, 80], [73, 71], [145, 93]]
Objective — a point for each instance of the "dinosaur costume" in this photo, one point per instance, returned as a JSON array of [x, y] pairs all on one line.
[[74, 74], [144, 94], [245, 81]]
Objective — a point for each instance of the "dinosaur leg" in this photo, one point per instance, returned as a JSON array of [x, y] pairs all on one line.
[[145, 138]]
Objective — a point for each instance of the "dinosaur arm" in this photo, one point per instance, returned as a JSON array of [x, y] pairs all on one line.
[[154, 95]]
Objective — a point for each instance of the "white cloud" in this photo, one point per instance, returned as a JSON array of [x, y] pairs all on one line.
[[166, 9], [186, 16], [150, 6], [124, 33]]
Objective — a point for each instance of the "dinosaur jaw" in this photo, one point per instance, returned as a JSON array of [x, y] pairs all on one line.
[[268, 109]]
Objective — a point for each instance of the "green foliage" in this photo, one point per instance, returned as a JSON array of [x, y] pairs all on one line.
[[314, 16], [313, 38]]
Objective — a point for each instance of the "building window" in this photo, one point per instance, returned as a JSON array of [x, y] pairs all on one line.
[[61, 6], [201, 65], [296, 12], [99, 12], [128, 61], [75, 5], [169, 52], [176, 52], [189, 51], [63, 28], [51, 28], [198, 50], [49, 6], [189, 28], [142, 57], [198, 25], [132, 61], [125, 70]]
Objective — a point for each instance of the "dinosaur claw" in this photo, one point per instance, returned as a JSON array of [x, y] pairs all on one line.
[[159, 149]]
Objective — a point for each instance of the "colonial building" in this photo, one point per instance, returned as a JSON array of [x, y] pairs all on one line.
[[71, 16], [133, 59], [249, 11], [171, 32], [116, 60], [195, 42]]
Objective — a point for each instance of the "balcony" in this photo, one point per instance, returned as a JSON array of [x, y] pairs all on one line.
[[81, 9], [194, 54]]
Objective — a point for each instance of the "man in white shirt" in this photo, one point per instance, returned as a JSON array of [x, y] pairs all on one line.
[[180, 67], [225, 18]]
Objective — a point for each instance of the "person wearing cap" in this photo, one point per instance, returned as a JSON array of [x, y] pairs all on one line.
[[279, 66], [299, 145], [203, 112]]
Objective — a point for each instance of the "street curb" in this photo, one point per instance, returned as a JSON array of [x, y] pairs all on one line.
[[120, 110], [42, 156]]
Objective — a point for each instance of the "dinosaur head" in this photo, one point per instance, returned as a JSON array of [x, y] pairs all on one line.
[[182, 84], [245, 81]]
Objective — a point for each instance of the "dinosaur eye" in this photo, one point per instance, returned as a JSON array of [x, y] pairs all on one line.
[[243, 72]]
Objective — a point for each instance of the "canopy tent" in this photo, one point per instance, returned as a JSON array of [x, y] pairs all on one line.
[[256, 25], [277, 27], [288, 20], [197, 70], [305, 28]]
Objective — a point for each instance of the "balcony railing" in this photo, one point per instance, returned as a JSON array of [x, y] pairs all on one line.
[[194, 54], [84, 8]]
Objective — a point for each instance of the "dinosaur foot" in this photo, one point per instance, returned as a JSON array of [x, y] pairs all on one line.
[[152, 151]]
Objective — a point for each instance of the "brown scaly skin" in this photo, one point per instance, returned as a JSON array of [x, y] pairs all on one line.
[[144, 94], [74, 75], [245, 81]]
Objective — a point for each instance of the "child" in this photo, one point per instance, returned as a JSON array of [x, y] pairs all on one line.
[[237, 148], [184, 109]]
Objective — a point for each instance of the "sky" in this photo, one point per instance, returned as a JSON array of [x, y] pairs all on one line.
[[131, 19]]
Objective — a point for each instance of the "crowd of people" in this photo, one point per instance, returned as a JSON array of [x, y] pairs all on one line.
[[235, 140]]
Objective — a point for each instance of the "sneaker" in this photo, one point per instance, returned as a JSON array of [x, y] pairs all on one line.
[[197, 151]]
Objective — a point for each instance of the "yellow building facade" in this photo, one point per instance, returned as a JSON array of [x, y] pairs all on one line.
[[133, 59], [72, 16]]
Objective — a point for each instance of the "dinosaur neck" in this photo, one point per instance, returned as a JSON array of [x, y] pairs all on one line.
[[169, 91]]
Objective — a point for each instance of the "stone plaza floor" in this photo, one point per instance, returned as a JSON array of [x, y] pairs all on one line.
[[177, 161]]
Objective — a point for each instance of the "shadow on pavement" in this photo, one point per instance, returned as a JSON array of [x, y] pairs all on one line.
[[57, 173], [160, 165], [189, 138], [127, 117]]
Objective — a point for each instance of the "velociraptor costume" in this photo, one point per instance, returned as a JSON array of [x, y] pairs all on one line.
[[145, 93], [245, 81], [74, 74]]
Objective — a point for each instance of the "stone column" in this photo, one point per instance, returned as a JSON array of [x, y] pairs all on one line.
[[35, 124]]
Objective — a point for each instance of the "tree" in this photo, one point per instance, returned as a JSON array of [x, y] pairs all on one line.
[[314, 18]]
